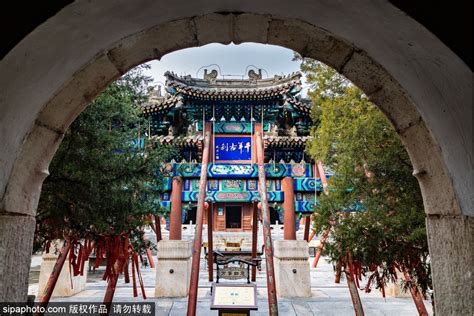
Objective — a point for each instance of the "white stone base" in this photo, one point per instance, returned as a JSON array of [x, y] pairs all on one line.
[[292, 272], [173, 269], [63, 286]]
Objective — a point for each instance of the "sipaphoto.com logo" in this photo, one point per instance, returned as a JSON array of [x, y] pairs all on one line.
[[78, 308], [26, 309]]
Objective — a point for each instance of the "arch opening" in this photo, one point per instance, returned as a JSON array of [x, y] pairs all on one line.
[[41, 131]]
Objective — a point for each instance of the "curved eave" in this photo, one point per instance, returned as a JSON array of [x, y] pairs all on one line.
[[164, 106], [246, 93], [298, 105], [285, 141], [180, 141]]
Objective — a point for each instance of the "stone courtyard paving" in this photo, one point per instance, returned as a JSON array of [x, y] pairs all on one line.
[[327, 297]]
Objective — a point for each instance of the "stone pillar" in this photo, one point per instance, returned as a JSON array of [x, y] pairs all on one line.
[[16, 243], [173, 270], [451, 244], [175, 214], [292, 273], [289, 230], [63, 286]]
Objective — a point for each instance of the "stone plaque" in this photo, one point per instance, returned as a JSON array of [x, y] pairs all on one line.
[[234, 295]]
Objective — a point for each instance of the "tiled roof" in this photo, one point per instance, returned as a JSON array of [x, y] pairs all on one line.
[[161, 105], [302, 105], [181, 141], [180, 87], [230, 94], [215, 83], [285, 141]]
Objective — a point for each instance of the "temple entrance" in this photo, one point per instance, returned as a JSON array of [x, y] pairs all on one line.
[[275, 216], [190, 216], [233, 217]]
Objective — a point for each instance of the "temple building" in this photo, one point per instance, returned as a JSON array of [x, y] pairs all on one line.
[[233, 111], [240, 161]]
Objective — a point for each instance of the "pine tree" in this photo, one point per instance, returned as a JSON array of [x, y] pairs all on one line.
[[104, 180], [374, 205]]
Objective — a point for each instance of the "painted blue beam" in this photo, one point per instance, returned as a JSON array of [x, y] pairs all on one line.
[[224, 196]]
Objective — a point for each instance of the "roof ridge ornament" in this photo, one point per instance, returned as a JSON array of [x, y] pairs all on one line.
[[278, 78], [253, 76], [212, 76]]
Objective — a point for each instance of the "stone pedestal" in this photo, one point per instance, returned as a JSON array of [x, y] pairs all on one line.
[[173, 270], [292, 273], [63, 286]]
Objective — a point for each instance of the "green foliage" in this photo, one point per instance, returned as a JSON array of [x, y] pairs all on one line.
[[101, 183], [371, 169], [324, 84]]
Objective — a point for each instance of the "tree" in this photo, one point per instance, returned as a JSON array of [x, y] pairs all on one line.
[[374, 206], [103, 183]]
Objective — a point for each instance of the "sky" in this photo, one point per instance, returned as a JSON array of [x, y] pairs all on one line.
[[234, 61]]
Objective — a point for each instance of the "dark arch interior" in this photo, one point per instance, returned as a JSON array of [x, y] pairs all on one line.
[[275, 216], [450, 22], [190, 216]]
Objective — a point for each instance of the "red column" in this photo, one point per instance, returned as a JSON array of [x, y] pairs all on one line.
[[289, 230], [194, 282], [175, 215], [254, 239], [267, 233], [307, 223], [210, 246]]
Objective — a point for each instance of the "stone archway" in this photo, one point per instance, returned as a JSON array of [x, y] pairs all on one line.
[[423, 88]]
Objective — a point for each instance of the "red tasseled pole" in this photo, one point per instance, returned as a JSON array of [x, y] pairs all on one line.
[[158, 228], [134, 279], [118, 257], [353, 290], [416, 295], [320, 248], [53, 278], [140, 279]]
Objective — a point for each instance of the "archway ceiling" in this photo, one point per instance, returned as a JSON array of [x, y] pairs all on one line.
[[451, 23], [395, 60]]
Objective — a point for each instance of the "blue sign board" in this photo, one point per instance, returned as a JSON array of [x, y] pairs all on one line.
[[233, 148]]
